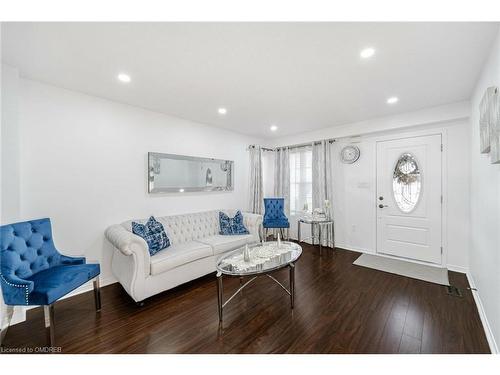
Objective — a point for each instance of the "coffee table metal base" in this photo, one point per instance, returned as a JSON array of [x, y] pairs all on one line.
[[220, 291]]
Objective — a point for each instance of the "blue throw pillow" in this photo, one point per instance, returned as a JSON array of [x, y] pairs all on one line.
[[153, 233], [231, 226]]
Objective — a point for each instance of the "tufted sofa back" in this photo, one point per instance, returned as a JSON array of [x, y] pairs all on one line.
[[187, 227], [27, 248]]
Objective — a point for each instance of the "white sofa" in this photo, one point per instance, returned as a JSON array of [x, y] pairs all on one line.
[[195, 245]]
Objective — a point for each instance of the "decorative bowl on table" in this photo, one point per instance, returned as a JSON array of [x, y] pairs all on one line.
[[266, 251]]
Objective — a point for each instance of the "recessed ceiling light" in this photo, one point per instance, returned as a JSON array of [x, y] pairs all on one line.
[[181, 190], [124, 77], [367, 53], [392, 100], [222, 111], [273, 128]]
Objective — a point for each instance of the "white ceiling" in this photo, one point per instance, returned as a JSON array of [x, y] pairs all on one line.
[[299, 76]]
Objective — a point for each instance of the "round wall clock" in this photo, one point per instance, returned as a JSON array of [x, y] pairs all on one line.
[[349, 154]]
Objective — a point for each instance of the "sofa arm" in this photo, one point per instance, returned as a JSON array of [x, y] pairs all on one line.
[[124, 240], [129, 244], [252, 222]]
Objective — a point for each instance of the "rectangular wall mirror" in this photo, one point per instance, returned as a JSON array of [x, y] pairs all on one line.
[[168, 173]]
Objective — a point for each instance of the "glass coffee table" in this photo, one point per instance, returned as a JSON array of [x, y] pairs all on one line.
[[262, 259]]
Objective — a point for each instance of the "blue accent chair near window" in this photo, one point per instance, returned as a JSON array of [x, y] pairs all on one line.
[[274, 216], [33, 272]]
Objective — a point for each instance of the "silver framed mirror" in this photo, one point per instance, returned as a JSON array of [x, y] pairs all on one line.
[[170, 173]]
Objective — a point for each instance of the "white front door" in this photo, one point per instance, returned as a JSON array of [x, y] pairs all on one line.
[[409, 198]]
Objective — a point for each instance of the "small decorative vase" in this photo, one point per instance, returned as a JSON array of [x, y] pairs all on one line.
[[306, 208], [327, 209], [246, 254]]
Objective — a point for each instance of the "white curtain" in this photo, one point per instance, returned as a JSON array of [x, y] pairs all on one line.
[[282, 176], [256, 193], [322, 183]]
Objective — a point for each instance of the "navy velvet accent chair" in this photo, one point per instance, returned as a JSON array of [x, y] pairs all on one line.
[[274, 216], [33, 272]]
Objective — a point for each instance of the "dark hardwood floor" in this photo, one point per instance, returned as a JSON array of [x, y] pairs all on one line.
[[339, 308]]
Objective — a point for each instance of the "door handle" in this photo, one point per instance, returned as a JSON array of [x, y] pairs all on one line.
[[382, 205]]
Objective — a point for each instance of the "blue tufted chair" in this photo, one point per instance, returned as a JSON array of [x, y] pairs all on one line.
[[274, 215], [33, 272]]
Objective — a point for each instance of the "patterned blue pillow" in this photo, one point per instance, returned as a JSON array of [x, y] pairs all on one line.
[[232, 226], [153, 233]]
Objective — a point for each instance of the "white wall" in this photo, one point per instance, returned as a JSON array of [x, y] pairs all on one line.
[[485, 207], [10, 145], [354, 202], [355, 194], [423, 117], [9, 154], [3, 321], [82, 161]]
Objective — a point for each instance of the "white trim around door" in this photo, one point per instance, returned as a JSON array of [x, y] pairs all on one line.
[[439, 218]]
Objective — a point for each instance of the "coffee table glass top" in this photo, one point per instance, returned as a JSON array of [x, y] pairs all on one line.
[[263, 257]]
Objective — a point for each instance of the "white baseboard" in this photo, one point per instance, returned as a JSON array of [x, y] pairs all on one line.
[[19, 314], [353, 248], [482, 314], [458, 269]]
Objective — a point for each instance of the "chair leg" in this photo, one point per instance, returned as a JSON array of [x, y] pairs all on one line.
[[48, 311], [7, 317], [97, 294]]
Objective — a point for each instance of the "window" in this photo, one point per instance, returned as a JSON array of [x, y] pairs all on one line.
[[300, 179], [406, 183]]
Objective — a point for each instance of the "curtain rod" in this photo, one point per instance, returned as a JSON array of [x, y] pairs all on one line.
[[305, 144], [262, 148], [298, 145]]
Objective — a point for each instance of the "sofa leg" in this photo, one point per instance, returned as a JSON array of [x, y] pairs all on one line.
[[97, 294], [140, 303], [48, 311]]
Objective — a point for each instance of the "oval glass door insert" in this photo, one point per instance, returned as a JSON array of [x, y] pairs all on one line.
[[406, 182]]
